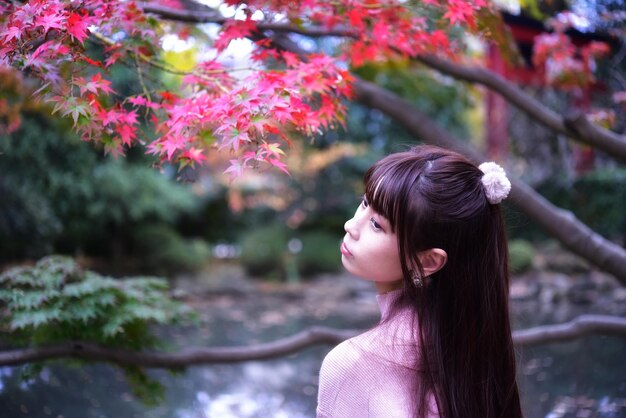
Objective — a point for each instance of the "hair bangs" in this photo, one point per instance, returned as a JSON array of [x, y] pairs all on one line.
[[386, 189]]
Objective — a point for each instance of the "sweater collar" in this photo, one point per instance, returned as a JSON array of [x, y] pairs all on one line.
[[386, 300]]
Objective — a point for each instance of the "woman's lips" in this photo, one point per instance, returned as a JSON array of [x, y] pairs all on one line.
[[344, 249]]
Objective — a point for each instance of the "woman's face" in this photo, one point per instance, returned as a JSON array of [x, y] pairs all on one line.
[[370, 250]]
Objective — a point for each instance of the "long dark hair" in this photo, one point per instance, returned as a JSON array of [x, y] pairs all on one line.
[[434, 198]]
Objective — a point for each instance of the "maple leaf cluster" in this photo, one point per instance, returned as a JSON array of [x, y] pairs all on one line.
[[253, 117], [561, 62], [376, 29]]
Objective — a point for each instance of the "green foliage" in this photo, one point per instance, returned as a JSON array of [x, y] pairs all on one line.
[[320, 253], [42, 174], [263, 250], [163, 251], [136, 193], [148, 390], [56, 301], [531, 7], [596, 198], [60, 194], [521, 255]]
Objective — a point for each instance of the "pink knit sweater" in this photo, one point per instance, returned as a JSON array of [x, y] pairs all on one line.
[[373, 374]]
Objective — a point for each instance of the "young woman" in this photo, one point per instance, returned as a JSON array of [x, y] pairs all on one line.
[[429, 233]]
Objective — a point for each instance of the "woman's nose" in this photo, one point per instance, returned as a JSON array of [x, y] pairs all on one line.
[[351, 228]]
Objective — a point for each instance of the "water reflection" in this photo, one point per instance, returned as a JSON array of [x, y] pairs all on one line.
[[582, 378]]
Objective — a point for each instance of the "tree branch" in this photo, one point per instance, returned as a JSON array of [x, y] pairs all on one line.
[[576, 125], [583, 325], [209, 15], [187, 357], [206, 15]]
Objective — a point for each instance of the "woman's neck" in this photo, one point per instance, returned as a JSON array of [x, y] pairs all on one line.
[[386, 287]]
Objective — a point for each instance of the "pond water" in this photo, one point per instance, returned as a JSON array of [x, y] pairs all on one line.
[[582, 378]]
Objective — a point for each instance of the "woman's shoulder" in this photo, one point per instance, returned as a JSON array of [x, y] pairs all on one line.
[[358, 376], [378, 350], [345, 355]]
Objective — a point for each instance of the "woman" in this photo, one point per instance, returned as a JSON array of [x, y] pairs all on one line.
[[429, 233]]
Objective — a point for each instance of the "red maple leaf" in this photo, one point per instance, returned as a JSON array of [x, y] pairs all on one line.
[[168, 97], [235, 169], [77, 26], [49, 20], [194, 155], [14, 32], [291, 59], [127, 133], [459, 11], [234, 29], [277, 163], [356, 17], [97, 83], [93, 62]]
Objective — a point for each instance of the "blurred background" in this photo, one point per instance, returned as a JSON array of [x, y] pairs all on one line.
[[258, 258]]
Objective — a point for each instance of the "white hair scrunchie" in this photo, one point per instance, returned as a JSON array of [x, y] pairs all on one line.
[[497, 185]]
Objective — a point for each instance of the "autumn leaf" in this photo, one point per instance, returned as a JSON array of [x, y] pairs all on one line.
[[49, 20], [95, 85], [77, 26]]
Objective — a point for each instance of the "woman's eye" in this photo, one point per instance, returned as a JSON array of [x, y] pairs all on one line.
[[375, 225]]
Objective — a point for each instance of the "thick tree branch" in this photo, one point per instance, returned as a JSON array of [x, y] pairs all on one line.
[[583, 325], [575, 125], [562, 224], [187, 357], [204, 15], [208, 15]]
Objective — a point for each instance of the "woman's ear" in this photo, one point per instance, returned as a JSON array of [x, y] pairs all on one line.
[[432, 260]]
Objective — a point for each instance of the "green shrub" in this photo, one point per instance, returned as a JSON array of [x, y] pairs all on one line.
[[319, 254], [263, 250], [521, 254], [56, 301], [596, 198], [127, 193], [163, 251], [60, 194]]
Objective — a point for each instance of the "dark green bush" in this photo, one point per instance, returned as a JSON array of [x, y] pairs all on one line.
[[56, 301], [319, 254], [60, 194], [263, 250], [163, 251], [521, 254], [596, 198]]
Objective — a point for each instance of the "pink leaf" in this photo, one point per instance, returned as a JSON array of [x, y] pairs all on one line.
[[77, 26]]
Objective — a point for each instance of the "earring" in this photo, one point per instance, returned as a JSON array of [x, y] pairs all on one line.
[[417, 279]]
